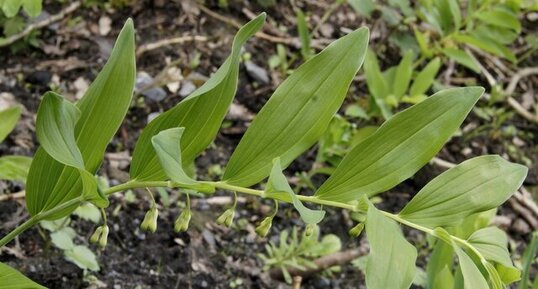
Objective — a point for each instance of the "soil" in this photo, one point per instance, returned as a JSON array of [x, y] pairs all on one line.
[[208, 255]]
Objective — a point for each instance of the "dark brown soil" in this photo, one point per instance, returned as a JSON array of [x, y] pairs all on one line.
[[208, 255]]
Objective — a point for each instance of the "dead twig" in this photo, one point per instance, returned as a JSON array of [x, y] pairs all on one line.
[[262, 35], [43, 23], [322, 263], [168, 41], [14, 196], [512, 87]]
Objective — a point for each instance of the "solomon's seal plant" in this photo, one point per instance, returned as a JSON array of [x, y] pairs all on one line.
[[74, 137]]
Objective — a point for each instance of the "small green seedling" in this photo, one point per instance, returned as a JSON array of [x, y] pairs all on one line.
[[294, 251], [74, 137]]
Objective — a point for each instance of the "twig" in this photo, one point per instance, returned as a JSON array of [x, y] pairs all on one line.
[[262, 35], [18, 195], [297, 280], [38, 25], [322, 263], [168, 41], [512, 87]]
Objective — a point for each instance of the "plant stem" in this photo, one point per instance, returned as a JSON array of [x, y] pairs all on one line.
[[261, 194], [461, 242], [76, 201], [36, 219]]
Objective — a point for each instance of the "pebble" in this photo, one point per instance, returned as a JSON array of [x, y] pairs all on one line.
[[39, 77], [187, 87], [256, 72], [152, 116], [143, 80]]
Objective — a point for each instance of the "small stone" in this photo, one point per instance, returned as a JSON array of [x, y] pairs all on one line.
[[144, 80], [152, 116], [187, 87], [81, 85], [256, 72], [39, 77], [156, 94], [104, 25]]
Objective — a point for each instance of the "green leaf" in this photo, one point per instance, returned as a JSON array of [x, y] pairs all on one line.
[[402, 78], [9, 118], [32, 7], [304, 36], [167, 146], [14, 168], [377, 85], [499, 17], [463, 58], [483, 41], [83, 257], [472, 277], [201, 113], [476, 185], [13, 279], [391, 261], [102, 110], [491, 242], [11, 7], [299, 111], [400, 147], [55, 129], [279, 188], [62, 239], [439, 268], [528, 260], [425, 78]]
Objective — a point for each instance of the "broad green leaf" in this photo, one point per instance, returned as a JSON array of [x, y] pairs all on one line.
[[279, 188], [425, 78], [476, 185], [363, 7], [400, 147], [55, 129], [102, 110], [491, 242], [167, 146], [472, 277], [62, 239], [32, 7], [299, 111], [14, 168], [403, 74], [463, 58], [11, 7], [500, 17], [8, 120], [13, 279], [83, 257], [201, 113], [391, 261]]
